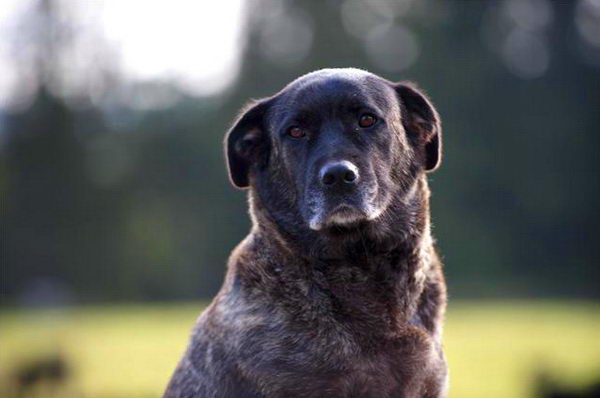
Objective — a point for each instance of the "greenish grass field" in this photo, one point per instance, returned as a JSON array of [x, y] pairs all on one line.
[[494, 349]]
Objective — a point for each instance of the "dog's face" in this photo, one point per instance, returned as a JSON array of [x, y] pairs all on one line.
[[334, 150]]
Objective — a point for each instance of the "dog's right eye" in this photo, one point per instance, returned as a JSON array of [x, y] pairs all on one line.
[[296, 132], [366, 120]]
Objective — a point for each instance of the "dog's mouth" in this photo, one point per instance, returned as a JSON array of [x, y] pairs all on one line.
[[342, 217], [324, 211]]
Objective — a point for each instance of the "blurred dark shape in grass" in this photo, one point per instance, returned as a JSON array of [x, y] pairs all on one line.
[[551, 389], [41, 377]]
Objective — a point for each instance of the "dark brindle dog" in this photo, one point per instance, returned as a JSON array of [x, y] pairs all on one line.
[[337, 291]]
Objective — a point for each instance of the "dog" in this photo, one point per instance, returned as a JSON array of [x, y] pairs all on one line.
[[337, 291]]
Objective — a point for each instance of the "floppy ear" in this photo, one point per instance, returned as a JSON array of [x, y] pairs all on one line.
[[245, 142], [422, 122]]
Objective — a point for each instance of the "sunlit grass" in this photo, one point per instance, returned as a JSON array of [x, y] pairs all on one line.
[[494, 349], [500, 349]]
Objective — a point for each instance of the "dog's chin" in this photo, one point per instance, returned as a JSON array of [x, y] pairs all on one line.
[[343, 219]]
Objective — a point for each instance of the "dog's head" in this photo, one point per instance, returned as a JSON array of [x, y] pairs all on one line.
[[335, 150]]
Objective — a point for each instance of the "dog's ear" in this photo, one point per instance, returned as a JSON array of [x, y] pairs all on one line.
[[245, 142], [422, 122]]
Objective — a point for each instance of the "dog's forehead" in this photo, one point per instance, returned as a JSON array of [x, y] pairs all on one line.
[[357, 76], [335, 86]]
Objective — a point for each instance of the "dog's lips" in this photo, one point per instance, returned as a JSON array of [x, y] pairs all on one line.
[[325, 210], [342, 215], [345, 214]]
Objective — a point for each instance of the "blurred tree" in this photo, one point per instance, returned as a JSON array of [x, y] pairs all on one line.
[[112, 202]]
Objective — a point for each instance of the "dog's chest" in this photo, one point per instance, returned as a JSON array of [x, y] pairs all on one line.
[[329, 374], [331, 362], [346, 342]]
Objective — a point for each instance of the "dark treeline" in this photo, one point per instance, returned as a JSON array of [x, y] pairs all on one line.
[[114, 203]]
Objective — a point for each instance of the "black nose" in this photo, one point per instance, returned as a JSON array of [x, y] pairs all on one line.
[[339, 172]]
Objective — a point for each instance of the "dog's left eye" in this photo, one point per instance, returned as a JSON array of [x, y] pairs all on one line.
[[366, 120], [296, 132]]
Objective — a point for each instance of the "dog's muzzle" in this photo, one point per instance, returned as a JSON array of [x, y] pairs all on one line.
[[340, 198]]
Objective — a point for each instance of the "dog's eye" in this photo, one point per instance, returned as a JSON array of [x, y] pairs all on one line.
[[296, 132], [366, 120]]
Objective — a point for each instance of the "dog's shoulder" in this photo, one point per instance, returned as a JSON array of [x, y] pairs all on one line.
[[209, 367]]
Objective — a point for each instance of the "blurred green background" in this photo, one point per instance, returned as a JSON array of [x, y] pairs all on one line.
[[114, 191]]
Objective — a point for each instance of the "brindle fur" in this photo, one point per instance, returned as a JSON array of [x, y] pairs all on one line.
[[347, 312]]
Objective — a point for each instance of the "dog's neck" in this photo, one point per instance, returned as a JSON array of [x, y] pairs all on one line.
[[371, 281]]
